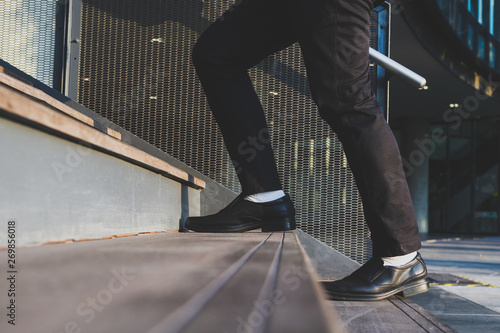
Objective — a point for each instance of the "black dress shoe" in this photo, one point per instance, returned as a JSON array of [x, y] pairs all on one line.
[[373, 281], [242, 215]]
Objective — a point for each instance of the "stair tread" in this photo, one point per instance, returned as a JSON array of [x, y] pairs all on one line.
[[133, 285], [192, 282]]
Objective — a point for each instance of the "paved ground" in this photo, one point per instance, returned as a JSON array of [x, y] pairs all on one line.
[[465, 293]]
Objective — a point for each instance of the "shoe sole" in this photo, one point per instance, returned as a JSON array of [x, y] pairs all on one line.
[[416, 289], [282, 224], [411, 289]]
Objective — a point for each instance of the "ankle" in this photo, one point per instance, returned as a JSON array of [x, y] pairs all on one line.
[[399, 260], [265, 196]]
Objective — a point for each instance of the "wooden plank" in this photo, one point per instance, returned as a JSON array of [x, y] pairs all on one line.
[[302, 308], [134, 282], [17, 77], [275, 291], [21, 105], [236, 291], [40, 95]]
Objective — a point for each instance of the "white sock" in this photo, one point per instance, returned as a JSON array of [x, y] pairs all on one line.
[[265, 196], [399, 260]]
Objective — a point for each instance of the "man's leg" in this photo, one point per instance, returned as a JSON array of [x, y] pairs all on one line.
[[239, 40], [337, 61]]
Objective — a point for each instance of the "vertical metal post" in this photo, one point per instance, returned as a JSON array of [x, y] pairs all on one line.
[[70, 87], [60, 44], [383, 46]]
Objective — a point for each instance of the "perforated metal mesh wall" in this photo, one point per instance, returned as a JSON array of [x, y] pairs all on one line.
[[27, 40], [135, 70]]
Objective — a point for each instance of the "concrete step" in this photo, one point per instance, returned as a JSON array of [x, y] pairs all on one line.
[[70, 177]]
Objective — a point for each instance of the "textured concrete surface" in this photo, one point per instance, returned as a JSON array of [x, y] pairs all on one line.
[[57, 189], [328, 263]]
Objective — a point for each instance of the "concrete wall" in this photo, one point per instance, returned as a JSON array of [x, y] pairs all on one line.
[[57, 189]]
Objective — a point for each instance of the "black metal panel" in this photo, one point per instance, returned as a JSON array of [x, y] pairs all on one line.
[[135, 70]]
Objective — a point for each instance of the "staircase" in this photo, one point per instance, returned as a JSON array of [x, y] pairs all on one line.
[[95, 215]]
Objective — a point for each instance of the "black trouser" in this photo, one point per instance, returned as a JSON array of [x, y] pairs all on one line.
[[334, 39]]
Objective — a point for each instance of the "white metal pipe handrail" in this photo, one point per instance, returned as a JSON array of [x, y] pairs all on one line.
[[398, 69]]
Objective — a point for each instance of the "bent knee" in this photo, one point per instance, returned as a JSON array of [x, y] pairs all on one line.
[[331, 111], [209, 59], [214, 56]]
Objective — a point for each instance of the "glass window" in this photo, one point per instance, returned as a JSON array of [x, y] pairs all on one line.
[[486, 198], [439, 152], [470, 37], [473, 7], [464, 187], [480, 46], [480, 11], [438, 191], [492, 55], [497, 64], [487, 129]]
